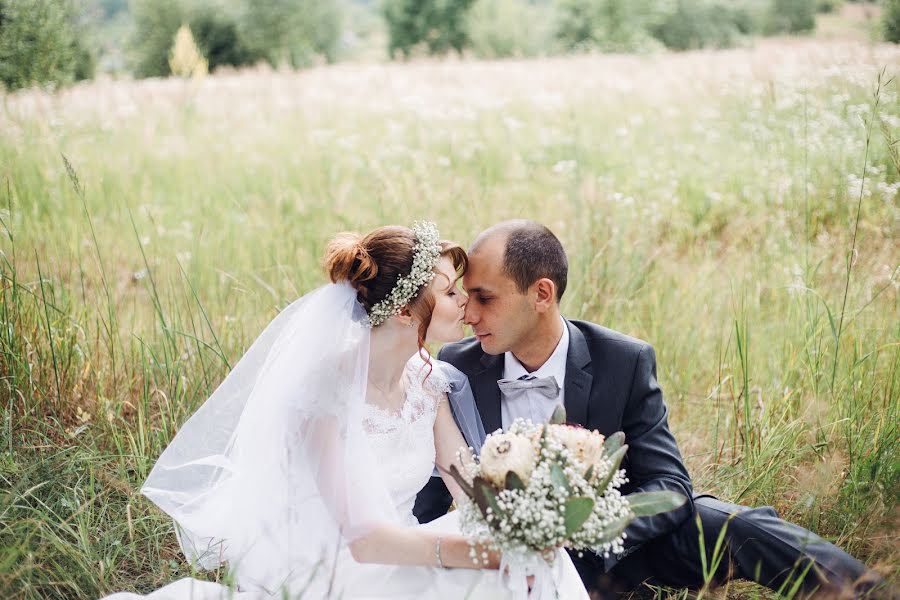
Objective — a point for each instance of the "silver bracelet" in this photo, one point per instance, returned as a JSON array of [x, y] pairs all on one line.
[[437, 553]]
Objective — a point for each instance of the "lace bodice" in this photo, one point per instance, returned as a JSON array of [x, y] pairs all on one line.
[[403, 442]]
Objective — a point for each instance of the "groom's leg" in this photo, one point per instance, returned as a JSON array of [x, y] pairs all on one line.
[[764, 548], [756, 545]]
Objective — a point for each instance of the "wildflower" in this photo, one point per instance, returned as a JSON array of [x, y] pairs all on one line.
[[565, 166]]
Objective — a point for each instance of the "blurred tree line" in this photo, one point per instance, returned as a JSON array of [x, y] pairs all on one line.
[[281, 32], [54, 42]]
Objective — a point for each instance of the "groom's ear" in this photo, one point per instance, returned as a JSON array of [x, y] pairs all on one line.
[[545, 294]]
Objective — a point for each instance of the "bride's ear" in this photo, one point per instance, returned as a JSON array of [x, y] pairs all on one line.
[[405, 317]]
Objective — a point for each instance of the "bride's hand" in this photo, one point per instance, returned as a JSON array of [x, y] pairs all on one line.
[[492, 561]]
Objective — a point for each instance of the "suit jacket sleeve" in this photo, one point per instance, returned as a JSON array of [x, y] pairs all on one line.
[[434, 499], [653, 462]]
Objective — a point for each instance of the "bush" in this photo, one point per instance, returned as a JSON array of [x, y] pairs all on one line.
[[292, 32], [40, 43], [828, 6], [185, 58], [215, 32], [289, 32], [218, 38], [890, 20], [155, 24], [608, 25], [503, 28], [437, 26], [792, 16], [698, 24]]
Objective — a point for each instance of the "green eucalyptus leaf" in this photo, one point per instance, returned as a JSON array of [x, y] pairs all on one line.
[[589, 473], [558, 476], [647, 504], [613, 530], [486, 497], [513, 481], [614, 442], [577, 511], [559, 415]]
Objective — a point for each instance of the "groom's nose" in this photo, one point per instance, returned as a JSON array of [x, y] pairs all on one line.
[[470, 316]]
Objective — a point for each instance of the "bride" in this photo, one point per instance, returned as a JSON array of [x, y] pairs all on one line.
[[300, 471]]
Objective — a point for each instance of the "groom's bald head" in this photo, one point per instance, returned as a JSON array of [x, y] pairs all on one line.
[[530, 252]]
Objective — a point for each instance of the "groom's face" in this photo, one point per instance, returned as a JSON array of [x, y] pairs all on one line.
[[500, 315]]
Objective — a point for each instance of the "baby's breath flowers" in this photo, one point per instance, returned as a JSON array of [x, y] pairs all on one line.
[[426, 252], [537, 488]]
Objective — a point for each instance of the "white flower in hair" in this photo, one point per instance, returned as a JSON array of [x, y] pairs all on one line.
[[426, 252]]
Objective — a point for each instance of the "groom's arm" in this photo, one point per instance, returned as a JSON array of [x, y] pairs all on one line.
[[433, 501], [653, 462]]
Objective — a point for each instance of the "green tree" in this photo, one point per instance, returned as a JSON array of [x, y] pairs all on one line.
[[40, 43], [501, 28], [701, 24], [609, 25], [218, 37], [292, 31], [155, 24], [217, 32], [890, 20], [792, 16], [438, 26], [828, 6]]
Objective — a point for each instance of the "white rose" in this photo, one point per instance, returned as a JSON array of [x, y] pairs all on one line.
[[584, 444], [506, 452]]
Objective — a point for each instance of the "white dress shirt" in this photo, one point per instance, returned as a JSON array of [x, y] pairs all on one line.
[[531, 404]]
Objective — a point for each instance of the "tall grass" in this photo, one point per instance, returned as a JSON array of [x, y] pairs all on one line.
[[738, 210]]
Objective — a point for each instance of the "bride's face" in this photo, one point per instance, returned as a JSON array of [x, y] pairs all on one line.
[[449, 305]]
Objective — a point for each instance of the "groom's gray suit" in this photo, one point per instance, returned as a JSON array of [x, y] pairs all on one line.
[[610, 385]]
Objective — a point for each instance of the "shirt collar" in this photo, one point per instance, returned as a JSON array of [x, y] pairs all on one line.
[[555, 365]]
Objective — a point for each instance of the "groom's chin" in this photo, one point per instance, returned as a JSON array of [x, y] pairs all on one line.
[[487, 347]]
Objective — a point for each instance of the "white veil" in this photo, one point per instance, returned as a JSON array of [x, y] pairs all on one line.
[[274, 473]]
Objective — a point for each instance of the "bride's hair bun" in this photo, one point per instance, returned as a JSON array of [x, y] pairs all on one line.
[[346, 258]]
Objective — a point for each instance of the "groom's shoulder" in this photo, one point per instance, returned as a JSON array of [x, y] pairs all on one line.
[[464, 354], [603, 339]]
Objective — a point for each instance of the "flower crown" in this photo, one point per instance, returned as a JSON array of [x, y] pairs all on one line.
[[426, 251]]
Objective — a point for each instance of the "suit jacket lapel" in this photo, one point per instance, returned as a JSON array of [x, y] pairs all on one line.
[[578, 377], [487, 393]]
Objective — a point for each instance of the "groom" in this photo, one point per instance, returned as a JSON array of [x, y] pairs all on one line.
[[607, 381]]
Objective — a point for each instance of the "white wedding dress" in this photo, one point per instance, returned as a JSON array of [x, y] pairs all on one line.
[[403, 445], [287, 462]]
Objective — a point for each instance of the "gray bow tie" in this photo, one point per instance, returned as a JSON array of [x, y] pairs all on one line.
[[545, 386]]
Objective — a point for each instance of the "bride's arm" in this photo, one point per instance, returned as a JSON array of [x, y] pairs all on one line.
[[383, 544], [447, 442], [396, 545]]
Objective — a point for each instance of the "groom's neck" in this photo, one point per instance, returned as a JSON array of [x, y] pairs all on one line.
[[534, 351]]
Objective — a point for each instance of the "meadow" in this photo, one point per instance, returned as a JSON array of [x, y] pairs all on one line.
[[739, 210]]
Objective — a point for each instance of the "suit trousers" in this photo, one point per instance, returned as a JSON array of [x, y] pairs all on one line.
[[756, 545]]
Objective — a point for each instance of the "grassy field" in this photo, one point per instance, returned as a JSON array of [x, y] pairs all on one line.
[[737, 209]]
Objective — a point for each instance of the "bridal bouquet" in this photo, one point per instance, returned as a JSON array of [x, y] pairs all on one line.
[[536, 488]]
